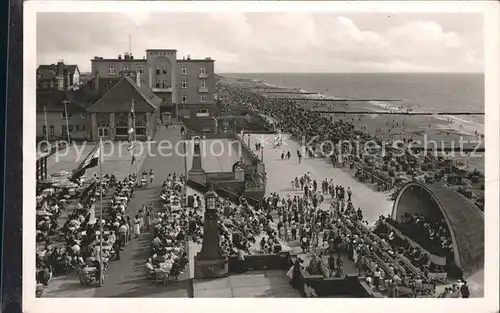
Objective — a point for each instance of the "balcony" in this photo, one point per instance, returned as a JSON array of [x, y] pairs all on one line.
[[162, 89], [203, 75], [202, 89]]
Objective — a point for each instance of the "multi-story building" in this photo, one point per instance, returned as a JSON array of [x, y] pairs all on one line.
[[158, 83], [58, 76], [185, 86]]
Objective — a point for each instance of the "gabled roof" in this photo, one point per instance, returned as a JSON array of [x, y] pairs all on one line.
[[72, 69], [50, 71], [146, 93], [119, 98], [52, 101], [47, 74]]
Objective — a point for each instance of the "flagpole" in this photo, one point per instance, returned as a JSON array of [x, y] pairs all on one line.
[[100, 214], [46, 125], [65, 102], [135, 136]]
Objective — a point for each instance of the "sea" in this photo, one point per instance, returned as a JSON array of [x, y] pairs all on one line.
[[447, 92]]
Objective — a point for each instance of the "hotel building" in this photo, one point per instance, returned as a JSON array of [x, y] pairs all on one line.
[[159, 84]]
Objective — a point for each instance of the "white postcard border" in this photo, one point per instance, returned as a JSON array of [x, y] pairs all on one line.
[[95, 305]]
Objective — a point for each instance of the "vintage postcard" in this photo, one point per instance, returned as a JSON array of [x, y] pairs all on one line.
[[260, 150]]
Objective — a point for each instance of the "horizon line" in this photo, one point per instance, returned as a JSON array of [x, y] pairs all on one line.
[[222, 73]]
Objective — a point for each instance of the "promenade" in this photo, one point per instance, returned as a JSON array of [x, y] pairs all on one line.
[[281, 172], [117, 159], [127, 276]]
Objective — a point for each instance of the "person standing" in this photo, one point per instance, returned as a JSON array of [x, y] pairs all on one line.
[[376, 277], [117, 247], [464, 290], [151, 176], [137, 226], [122, 232]]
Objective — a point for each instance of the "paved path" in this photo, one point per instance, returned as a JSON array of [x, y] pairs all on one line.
[[255, 284], [127, 277], [218, 155], [281, 172]]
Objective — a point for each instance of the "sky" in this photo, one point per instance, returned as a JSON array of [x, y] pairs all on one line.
[[273, 42]]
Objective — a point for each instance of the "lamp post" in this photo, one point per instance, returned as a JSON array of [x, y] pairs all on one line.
[[183, 134], [190, 267], [210, 200]]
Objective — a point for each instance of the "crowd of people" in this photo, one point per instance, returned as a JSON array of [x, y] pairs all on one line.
[[434, 236], [171, 224], [80, 246], [290, 116]]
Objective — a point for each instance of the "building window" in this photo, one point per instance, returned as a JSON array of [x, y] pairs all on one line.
[[157, 84], [63, 115], [184, 83], [63, 130], [202, 113], [141, 69], [157, 71], [121, 128], [83, 127], [164, 70], [52, 130], [126, 68], [140, 128], [84, 115], [203, 98], [184, 98], [77, 128], [70, 128], [164, 84], [44, 131], [103, 129], [112, 70], [203, 83], [184, 70], [103, 132], [203, 70]]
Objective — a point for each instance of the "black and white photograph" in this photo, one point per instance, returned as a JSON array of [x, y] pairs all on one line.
[[217, 150]]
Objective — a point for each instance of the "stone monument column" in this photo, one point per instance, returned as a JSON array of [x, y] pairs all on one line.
[[196, 173]]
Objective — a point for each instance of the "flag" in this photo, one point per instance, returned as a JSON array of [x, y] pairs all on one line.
[[132, 110], [133, 160], [130, 145], [92, 160]]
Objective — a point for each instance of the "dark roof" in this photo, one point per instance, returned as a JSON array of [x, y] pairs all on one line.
[[146, 93], [52, 100], [105, 84], [195, 60], [119, 60], [72, 68], [51, 70], [119, 97], [47, 74], [161, 49], [466, 222]]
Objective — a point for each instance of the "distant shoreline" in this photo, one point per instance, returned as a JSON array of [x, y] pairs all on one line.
[[441, 128]]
